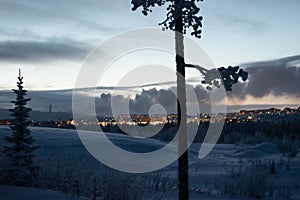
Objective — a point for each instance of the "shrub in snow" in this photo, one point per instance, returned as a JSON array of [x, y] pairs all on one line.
[[121, 186], [3, 166], [76, 188], [19, 148], [255, 181], [273, 168], [250, 180], [161, 184], [284, 193], [66, 173], [288, 147]]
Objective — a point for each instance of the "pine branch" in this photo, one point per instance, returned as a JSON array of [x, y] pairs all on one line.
[[221, 76]]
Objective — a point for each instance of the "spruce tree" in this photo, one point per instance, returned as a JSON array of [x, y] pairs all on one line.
[[20, 145]]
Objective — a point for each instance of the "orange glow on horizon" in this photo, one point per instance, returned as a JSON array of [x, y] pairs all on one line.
[[265, 100]]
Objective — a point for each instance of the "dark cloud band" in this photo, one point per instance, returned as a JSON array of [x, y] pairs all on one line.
[[277, 77], [52, 49]]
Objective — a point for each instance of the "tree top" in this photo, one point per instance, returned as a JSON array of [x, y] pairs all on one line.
[[185, 9]]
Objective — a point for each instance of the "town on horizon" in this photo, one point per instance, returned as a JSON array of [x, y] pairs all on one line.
[[144, 119]]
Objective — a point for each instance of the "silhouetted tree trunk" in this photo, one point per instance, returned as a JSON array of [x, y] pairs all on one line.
[[183, 162]]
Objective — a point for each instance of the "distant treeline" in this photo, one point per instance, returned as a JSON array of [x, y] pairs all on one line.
[[234, 132], [248, 132]]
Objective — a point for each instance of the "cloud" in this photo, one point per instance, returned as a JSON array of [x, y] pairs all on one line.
[[61, 100], [237, 16], [140, 103], [13, 32], [41, 51], [280, 77], [246, 23], [70, 17], [147, 98]]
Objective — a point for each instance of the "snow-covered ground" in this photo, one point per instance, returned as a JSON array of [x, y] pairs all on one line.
[[208, 176], [23, 193]]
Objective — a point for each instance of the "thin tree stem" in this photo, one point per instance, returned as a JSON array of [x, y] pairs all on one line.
[[183, 163]]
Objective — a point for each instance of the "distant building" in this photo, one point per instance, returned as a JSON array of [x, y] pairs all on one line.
[[172, 118], [273, 111], [141, 119], [243, 112], [289, 110], [5, 122]]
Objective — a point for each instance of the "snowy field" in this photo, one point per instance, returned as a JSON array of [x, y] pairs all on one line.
[[228, 172], [22, 193]]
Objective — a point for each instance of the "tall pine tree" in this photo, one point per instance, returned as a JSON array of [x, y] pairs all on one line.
[[182, 15], [20, 148]]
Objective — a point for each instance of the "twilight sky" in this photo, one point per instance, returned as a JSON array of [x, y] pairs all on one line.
[[50, 39]]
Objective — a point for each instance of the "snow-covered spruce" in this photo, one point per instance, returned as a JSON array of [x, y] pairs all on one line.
[[19, 150]]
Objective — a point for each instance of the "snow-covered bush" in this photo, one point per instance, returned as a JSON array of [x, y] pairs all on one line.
[[66, 173], [256, 180], [251, 180], [3, 166], [288, 147], [161, 184], [284, 193], [121, 186]]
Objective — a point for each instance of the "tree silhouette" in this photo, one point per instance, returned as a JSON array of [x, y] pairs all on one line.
[[182, 15], [20, 148]]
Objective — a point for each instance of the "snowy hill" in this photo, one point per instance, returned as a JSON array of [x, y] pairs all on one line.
[[23, 193], [40, 116], [64, 158]]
